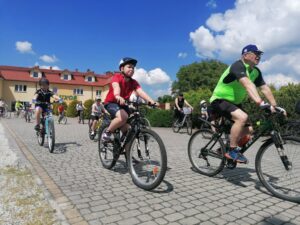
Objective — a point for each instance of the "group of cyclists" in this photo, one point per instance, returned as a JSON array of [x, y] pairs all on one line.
[[240, 79]]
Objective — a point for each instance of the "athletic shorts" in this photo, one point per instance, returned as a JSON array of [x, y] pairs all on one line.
[[113, 108], [44, 107], [94, 117], [224, 108]]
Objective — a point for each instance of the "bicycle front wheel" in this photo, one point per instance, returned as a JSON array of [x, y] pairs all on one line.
[[206, 153], [51, 136], [106, 150], [147, 159], [189, 126], [279, 174]]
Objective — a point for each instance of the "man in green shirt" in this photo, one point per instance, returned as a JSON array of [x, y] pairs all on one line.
[[238, 80]]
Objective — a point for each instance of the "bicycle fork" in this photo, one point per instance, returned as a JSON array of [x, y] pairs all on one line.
[[276, 137]]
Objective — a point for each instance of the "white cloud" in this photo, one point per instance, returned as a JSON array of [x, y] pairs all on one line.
[[182, 55], [24, 47], [48, 59], [211, 4], [273, 27], [153, 77], [48, 67], [280, 79]]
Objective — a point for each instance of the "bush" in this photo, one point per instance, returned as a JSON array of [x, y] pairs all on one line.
[[71, 111], [160, 118], [55, 107], [88, 105]]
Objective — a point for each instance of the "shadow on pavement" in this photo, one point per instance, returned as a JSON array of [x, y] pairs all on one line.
[[61, 148], [164, 187], [275, 220], [120, 167]]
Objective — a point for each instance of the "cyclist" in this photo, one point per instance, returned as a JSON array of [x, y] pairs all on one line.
[[204, 110], [61, 112], [97, 110], [80, 109], [42, 97], [180, 102], [18, 107], [120, 89], [240, 78], [2, 105]]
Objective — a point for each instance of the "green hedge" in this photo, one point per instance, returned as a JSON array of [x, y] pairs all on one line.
[[160, 118], [88, 105], [71, 111]]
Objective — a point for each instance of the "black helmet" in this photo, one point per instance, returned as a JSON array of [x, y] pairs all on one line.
[[126, 61], [43, 81], [180, 94]]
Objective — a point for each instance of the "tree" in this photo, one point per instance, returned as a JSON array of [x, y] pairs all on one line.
[[71, 110], [204, 74], [165, 99]]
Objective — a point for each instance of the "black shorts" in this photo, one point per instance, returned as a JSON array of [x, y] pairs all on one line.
[[113, 108], [224, 108], [94, 117]]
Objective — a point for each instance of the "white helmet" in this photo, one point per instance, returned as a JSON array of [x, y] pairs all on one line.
[[202, 102], [98, 98]]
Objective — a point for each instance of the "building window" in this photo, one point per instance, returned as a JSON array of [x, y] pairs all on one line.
[[20, 88], [90, 79], [98, 92], [35, 74], [66, 77], [55, 90], [78, 91]]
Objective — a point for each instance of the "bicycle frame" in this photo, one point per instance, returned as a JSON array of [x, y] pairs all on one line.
[[267, 127]]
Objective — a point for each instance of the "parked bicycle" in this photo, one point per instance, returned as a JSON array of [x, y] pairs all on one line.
[[276, 163], [186, 122], [144, 151], [46, 128]]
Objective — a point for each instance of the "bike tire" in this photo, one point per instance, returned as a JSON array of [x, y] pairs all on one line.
[[41, 137], [106, 149], [51, 136], [64, 120], [163, 166], [189, 126], [270, 182], [92, 137], [197, 153], [175, 126]]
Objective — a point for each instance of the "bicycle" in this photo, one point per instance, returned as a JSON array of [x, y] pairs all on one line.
[[62, 119], [186, 121], [27, 115], [46, 128], [144, 151], [277, 154], [98, 125]]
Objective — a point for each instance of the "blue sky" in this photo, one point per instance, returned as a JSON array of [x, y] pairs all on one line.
[[96, 34]]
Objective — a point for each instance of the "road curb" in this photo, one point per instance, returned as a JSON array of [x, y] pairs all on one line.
[[68, 209]]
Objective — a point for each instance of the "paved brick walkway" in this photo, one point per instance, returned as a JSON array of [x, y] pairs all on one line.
[[102, 196]]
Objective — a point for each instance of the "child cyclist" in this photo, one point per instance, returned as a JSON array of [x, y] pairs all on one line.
[[120, 89], [42, 97]]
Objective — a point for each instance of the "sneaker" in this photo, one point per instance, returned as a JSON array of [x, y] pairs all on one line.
[[93, 133], [37, 127], [107, 137], [235, 155]]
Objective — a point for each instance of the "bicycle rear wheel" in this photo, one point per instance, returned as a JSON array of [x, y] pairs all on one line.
[[106, 150], [280, 181], [64, 120], [41, 137], [51, 136], [206, 154], [147, 159], [176, 126]]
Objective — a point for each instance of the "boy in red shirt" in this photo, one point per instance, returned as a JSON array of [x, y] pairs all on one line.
[[121, 87]]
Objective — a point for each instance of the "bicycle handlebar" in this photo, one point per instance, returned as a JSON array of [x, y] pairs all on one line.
[[140, 103]]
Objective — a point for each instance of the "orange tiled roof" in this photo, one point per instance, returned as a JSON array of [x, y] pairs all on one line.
[[54, 76]]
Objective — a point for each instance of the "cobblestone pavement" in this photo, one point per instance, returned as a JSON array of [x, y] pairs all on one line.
[[185, 197]]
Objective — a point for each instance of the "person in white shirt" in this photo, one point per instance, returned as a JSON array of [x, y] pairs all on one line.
[[80, 109], [97, 110]]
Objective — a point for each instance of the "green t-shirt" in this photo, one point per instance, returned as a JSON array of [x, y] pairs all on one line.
[[230, 89]]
